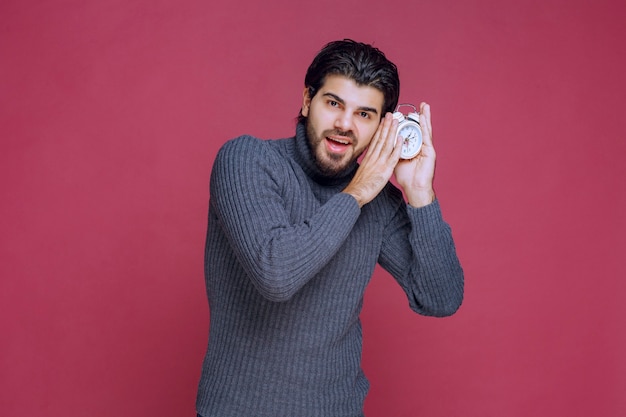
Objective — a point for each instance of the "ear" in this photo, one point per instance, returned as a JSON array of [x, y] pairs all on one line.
[[306, 102]]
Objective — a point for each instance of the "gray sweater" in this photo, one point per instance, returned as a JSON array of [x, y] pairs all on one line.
[[288, 257]]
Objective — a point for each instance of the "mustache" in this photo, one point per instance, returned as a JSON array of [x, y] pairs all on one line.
[[337, 132]]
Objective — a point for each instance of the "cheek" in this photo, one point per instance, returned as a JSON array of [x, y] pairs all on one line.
[[366, 134]]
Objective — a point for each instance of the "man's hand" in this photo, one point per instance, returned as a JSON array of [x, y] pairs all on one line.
[[415, 176], [378, 163]]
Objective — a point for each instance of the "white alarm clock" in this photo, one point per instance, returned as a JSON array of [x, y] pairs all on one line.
[[410, 130]]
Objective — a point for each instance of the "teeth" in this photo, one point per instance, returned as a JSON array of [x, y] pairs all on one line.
[[343, 142]]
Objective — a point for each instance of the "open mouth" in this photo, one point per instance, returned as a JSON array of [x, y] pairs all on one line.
[[337, 144]]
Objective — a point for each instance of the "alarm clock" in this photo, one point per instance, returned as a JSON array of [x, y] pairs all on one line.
[[410, 130]]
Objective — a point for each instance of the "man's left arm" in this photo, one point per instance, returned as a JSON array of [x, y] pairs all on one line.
[[419, 250]]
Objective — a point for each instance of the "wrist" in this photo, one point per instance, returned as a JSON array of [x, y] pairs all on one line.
[[355, 196], [421, 198]]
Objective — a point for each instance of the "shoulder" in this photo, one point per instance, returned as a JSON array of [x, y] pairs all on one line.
[[246, 158], [391, 197], [387, 205], [241, 145], [387, 202], [246, 150]]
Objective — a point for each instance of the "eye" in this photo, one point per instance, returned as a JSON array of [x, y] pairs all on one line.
[[333, 103], [364, 115]]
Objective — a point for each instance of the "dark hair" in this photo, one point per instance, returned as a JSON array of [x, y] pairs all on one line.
[[363, 63]]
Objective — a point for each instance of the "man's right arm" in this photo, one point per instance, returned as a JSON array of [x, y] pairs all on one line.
[[247, 183]]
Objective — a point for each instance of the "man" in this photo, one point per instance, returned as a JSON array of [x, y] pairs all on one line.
[[296, 227]]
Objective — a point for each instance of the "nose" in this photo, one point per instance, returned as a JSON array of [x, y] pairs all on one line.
[[344, 121]]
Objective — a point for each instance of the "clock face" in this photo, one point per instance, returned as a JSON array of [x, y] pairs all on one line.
[[412, 140]]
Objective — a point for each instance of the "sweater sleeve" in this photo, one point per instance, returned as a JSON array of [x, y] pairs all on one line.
[[419, 251], [247, 191]]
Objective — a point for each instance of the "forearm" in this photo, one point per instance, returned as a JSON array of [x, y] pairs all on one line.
[[425, 263], [288, 256]]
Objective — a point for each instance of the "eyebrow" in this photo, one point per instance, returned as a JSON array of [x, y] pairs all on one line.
[[340, 100]]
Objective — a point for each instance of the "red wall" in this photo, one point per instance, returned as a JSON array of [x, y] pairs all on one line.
[[111, 113]]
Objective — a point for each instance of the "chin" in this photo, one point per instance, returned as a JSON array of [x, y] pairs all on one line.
[[333, 166]]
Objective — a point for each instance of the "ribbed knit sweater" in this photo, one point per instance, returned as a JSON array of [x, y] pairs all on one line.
[[288, 257]]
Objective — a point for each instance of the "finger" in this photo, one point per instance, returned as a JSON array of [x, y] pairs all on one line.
[[397, 150], [372, 147], [381, 138], [391, 140], [425, 122]]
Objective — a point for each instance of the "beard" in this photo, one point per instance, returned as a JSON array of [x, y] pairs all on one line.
[[330, 164]]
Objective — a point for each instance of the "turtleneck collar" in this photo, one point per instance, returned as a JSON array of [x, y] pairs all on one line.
[[304, 157]]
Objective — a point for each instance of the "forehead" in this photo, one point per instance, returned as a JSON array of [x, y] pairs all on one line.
[[353, 94]]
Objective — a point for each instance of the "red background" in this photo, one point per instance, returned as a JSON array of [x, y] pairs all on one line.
[[111, 113]]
